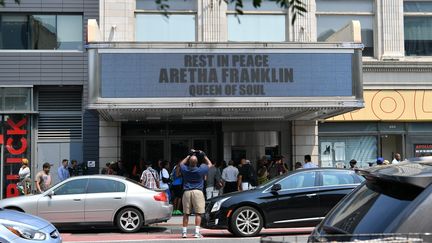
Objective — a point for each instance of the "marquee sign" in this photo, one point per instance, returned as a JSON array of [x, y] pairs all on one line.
[[165, 75]]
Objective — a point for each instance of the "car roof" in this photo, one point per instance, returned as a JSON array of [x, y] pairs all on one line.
[[98, 176], [415, 171]]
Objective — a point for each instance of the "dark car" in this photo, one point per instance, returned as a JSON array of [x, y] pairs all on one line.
[[395, 200], [297, 199]]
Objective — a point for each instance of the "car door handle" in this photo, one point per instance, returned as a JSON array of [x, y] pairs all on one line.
[[117, 198], [77, 199], [311, 195]]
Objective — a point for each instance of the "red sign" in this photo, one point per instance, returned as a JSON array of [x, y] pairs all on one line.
[[15, 140], [423, 150]]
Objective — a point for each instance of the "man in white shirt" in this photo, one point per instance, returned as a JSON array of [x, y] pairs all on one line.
[[397, 158], [308, 163], [229, 176]]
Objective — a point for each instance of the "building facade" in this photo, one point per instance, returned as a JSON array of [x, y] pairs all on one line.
[[396, 75], [43, 82], [61, 99]]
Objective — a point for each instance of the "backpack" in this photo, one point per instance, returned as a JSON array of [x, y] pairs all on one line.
[[252, 176], [176, 180]]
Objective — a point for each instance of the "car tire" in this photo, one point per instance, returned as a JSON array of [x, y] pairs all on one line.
[[129, 220], [246, 222]]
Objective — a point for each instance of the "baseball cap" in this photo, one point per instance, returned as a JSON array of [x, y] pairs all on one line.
[[380, 160]]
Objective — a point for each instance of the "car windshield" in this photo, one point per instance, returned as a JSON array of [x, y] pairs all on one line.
[[372, 207], [272, 181]]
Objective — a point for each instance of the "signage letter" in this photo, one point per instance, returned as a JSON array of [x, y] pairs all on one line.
[[16, 127], [14, 151]]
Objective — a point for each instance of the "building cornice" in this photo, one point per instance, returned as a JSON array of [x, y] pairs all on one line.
[[397, 66]]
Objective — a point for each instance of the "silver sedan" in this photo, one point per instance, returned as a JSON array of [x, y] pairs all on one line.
[[95, 200]]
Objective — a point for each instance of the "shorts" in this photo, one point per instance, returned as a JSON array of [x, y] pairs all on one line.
[[193, 199], [177, 191]]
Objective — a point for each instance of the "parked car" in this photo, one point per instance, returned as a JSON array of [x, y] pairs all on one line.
[[299, 198], [96, 200], [17, 227], [395, 200]]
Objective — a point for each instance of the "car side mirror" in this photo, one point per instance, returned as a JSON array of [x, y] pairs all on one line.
[[276, 187], [50, 194]]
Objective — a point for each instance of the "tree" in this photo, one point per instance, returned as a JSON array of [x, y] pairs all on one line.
[[2, 2], [297, 7]]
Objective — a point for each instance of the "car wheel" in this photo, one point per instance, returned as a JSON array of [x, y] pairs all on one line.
[[129, 220], [246, 221]]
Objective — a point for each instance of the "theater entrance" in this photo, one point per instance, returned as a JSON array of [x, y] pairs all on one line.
[[166, 141]]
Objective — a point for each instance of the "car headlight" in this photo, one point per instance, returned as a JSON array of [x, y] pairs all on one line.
[[218, 204], [25, 232]]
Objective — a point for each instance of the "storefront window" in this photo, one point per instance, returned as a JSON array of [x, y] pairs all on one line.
[[339, 150], [178, 25], [41, 32], [418, 28], [332, 16]]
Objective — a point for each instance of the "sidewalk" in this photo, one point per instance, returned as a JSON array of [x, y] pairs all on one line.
[[171, 231]]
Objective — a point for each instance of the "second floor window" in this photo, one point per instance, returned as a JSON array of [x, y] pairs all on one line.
[[332, 15], [264, 24], [179, 25], [41, 32], [418, 28]]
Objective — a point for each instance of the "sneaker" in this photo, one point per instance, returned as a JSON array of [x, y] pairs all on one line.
[[198, 235], [184, 235]]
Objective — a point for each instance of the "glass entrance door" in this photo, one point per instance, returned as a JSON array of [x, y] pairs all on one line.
[[392, 144], [131, 153], [179, 150], [154, 150]]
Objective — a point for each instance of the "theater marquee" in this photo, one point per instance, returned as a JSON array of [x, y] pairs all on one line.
[[224, 81], [150, 75]]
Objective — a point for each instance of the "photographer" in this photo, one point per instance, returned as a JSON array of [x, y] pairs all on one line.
[[193, 185]]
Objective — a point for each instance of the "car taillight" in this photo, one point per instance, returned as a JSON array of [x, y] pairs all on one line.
[[162, 197]]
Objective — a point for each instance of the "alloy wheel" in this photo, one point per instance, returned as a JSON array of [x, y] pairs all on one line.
[[247, 221]]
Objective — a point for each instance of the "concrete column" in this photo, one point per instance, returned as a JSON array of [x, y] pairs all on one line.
[[117, 20], [305, 140], [305, 26], [213, 21], [109, 142], [391, 22]]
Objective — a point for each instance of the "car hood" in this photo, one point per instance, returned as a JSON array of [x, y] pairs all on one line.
[[16, 201], [231, 195], [23, 218]]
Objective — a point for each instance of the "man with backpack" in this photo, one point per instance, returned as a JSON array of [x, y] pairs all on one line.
[[149, 177], [247, 178]]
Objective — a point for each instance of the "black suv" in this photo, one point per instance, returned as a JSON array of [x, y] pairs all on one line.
[[394, 200]]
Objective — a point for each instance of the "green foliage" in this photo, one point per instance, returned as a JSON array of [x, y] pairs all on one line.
[[2, 2], [297, 7]]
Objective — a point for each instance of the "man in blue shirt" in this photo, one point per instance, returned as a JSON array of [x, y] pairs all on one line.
[[63, 172], [193, 185]]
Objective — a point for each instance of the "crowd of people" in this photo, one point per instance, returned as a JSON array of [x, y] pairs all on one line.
[[220, 178], [189, 183], [43, 179]]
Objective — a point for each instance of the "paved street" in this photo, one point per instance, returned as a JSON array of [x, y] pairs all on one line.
[[170, 231]]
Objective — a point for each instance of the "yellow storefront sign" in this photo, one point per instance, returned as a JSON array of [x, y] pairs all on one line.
[[392, 105]]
